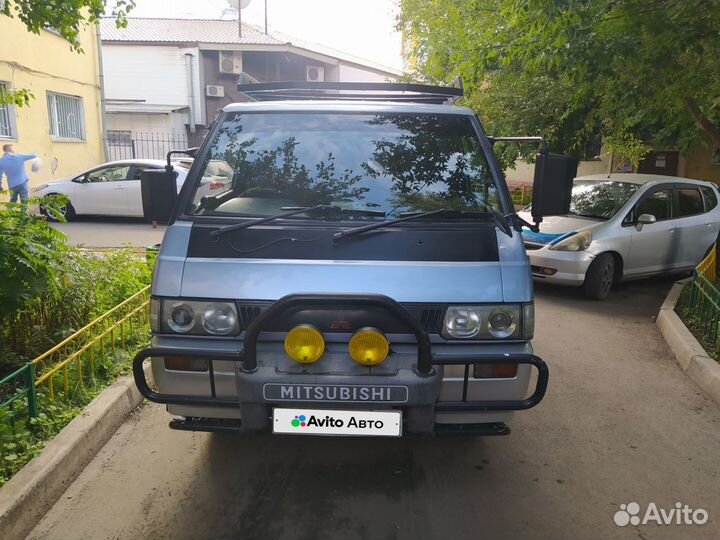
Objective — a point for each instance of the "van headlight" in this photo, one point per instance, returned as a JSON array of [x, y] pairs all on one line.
[[506, 321], [215, 318], [576, 242]]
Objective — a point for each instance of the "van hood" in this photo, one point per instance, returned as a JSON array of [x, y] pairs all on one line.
[[555, 227], [497, 274], [264, 279]]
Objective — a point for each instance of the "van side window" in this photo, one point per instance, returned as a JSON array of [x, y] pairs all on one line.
[[710, 198], [690, 202], [659, 204]]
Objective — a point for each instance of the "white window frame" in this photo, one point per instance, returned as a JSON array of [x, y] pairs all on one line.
[[8, 128], [72, 109]]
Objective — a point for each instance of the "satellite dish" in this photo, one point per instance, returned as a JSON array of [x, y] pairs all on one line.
[[239, 4]]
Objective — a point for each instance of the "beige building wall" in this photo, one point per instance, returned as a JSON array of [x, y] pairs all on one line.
[[45, 63], [699, 164], [523, 173]]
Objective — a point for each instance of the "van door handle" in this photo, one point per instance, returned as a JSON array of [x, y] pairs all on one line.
[[674, 229]]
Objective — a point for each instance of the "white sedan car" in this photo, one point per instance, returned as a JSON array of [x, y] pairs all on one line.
[[110, 189], [625, 226]]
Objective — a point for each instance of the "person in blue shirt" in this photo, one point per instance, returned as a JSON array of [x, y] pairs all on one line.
[[12, 165]]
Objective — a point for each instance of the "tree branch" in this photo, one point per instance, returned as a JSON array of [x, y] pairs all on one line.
[[703, 122]]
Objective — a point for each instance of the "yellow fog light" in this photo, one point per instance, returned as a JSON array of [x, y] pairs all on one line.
[[369, 347], [304, 344]]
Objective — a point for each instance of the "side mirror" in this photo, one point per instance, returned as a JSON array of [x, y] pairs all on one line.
[[80, 180], [159, 194], [552, 186], [645, 219]]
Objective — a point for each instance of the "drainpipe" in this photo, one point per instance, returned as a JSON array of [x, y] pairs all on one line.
[[103, 112], [191, 90]]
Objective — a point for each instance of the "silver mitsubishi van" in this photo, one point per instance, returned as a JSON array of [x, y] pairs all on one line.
[[362, 273]]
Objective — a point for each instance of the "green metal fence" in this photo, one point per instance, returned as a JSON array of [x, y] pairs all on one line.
[[19, 387], [701, 307]]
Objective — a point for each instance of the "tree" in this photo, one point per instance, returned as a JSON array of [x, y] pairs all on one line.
[[638, 73], [67, 17]]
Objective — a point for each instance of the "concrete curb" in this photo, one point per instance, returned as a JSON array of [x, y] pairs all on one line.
[[35, 488], [690, 355]]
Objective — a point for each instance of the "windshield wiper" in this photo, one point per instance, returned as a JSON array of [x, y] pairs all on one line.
[[443, 211], [325, 209]]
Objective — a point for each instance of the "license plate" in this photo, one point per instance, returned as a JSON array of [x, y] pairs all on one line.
[[342, 393], [325, 422]]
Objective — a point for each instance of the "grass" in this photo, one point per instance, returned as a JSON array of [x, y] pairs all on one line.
[[23, 438], [694, 323]]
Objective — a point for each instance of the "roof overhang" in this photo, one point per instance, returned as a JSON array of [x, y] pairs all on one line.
[[142, 108]]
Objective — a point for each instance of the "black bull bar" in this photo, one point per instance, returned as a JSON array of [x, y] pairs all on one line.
[[247, 356]]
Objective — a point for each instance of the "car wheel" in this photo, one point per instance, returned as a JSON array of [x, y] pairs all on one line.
[[600, 277], [67, 210]]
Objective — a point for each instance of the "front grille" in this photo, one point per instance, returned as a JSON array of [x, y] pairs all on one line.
[[432, 320], [431, 317], [247, 315]]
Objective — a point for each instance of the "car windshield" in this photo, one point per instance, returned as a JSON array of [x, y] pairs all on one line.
[[376, 166], [598, 199]]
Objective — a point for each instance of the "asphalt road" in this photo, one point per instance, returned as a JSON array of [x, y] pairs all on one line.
[[620, 424], [94, 232]]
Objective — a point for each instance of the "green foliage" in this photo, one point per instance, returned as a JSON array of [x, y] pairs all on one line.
[[701, 317], [31, 255], [642, 72], [23, 438], [49, 290], [66, 17], [89, 285], [19, 98]]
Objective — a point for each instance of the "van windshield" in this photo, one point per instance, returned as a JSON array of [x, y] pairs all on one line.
[[376, 166]]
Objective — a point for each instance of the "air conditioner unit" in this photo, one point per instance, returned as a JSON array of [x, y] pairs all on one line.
[[315, 74], [231, 62], [214, 90]]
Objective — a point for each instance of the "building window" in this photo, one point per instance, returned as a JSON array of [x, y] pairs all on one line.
[[7, 126], [67, 117]]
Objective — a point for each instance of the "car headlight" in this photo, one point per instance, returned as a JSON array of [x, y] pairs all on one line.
[[39, 188], [219, 319], [463, 322], [576, 242], [507, 321], [181, 318], [215, 318]]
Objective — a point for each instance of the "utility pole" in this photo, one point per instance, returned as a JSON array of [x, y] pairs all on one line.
[[239, 21], [266, 17]]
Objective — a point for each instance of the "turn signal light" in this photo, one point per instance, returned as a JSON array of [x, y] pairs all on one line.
[[305, 344], [369, 347], [495, 371], [184, 363]]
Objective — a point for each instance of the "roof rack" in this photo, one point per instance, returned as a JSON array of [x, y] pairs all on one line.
[[399, 92]]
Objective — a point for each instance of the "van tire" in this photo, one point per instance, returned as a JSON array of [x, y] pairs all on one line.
[[600, 277]]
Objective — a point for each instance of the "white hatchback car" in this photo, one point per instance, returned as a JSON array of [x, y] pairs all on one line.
[[110, 189], [625, 226]]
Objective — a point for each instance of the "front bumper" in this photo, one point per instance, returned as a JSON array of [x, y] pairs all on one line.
[[567, 267], [422, 377]]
